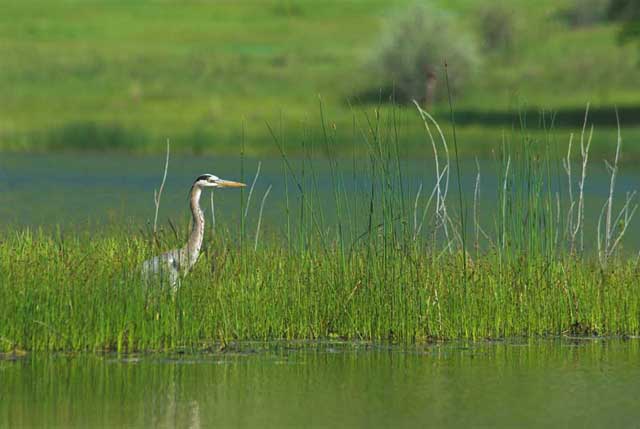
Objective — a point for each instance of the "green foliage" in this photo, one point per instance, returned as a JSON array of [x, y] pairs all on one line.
[[583, 13], [496, 24], [627, 11], [624, 9], [415, 46]]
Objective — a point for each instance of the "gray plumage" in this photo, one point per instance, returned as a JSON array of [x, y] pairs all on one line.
[[173, 265]]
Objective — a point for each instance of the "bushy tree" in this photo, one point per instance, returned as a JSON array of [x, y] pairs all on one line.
[[414, 48]]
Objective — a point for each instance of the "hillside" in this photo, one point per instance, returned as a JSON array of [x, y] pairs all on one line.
[[129, 74]]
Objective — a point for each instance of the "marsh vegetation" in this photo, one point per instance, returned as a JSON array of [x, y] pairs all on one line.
[[390, 260]]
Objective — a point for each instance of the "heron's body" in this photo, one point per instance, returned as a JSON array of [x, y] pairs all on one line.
[[174, 264]]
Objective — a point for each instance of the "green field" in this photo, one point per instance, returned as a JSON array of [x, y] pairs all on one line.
[[130, 74]]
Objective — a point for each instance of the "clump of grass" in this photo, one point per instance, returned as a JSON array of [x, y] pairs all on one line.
[[394, 266], [84, 294]]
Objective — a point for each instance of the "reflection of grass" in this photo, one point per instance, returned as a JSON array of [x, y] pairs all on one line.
[[170, 68], [392, 267]]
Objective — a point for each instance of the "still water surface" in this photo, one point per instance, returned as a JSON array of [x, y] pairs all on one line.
[[89, 191], [581, 383], [54, 189]]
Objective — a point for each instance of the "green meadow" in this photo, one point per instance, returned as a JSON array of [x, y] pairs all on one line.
[[129, 75]]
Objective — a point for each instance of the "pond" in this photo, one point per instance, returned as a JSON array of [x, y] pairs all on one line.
[[553, 383]]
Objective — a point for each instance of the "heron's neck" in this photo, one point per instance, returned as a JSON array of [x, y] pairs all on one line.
[[197, 229]]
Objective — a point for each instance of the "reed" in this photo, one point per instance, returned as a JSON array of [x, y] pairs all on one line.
[[393, 266]]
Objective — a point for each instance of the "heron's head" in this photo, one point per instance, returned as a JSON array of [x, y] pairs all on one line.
[[211, 181]]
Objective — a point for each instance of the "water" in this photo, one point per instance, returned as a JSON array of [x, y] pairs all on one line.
[[585, 383], [91, 190]]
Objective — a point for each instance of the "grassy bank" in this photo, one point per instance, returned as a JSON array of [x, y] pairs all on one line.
[[129, 75], [83, 294], [400, 264]]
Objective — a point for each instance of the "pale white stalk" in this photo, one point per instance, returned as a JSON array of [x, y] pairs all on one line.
[[441, 191], [158, 195], [415, 213], [264, 198], [253, 184], [614, 229], [584, 152], [504, 202], [476, 195]]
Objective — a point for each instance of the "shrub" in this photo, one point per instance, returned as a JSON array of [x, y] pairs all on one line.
[[628, 12], [414, 48], [496, 25], [584, 13]]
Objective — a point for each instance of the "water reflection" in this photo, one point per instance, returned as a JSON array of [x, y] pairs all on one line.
[[589, 383]]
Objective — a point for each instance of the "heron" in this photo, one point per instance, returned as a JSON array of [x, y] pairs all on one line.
[[177, 263]]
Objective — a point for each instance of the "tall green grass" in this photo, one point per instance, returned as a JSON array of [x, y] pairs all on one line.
[[395, 265]]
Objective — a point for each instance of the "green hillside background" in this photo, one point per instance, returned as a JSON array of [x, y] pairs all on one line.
[[127, 75]]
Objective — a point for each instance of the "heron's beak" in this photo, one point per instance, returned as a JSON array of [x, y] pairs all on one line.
[[230, 184]]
